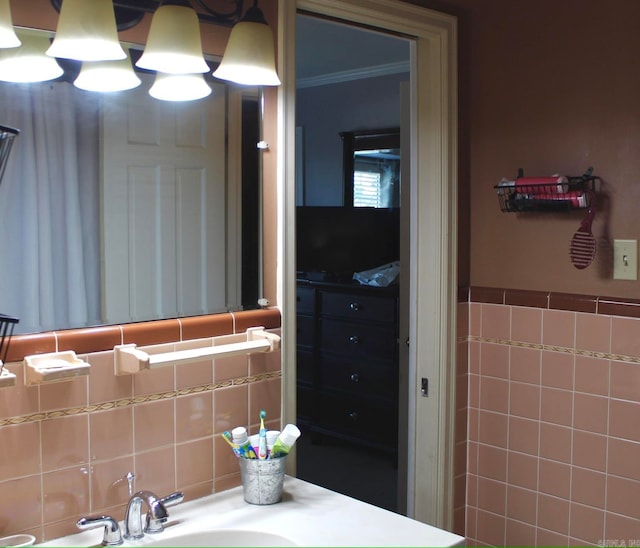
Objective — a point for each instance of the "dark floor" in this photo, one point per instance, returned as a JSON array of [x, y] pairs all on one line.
[[351, 470]]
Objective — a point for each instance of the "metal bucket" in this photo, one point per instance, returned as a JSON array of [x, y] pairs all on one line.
[[262, 480]]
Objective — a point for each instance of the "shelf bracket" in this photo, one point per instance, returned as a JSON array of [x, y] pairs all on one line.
[[7, 378], [129, 359]]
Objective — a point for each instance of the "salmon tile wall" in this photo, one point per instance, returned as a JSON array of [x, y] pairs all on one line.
[[553, 454], [461, 417], [66, 447]]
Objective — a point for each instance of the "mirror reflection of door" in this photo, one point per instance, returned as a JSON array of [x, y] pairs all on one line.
[[349, 84]]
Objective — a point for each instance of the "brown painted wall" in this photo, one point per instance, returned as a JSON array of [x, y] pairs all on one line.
[[550, 87]]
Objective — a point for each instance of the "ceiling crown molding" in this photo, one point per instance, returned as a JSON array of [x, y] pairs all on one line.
[[353, 74]]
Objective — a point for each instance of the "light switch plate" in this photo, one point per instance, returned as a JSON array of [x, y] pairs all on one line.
[[625, 259]]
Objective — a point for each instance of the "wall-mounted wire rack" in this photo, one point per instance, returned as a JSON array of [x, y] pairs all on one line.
[[7, 324], [547, 194]]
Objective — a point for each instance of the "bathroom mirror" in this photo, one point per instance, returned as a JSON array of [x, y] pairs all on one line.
[[118, 207], [371, 166]]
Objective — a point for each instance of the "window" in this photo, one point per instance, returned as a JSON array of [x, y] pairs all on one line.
[[371, 168], [366, 189]]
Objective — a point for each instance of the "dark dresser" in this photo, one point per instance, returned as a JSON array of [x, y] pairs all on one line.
[[347, 362]]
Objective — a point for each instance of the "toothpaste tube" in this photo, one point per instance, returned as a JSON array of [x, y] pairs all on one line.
[[240, 438], [272, 436], [285, 441]]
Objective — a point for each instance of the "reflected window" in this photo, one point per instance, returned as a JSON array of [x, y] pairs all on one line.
[[371, 163], [366, 189]]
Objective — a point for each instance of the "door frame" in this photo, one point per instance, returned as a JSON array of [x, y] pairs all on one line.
[[433, 229]]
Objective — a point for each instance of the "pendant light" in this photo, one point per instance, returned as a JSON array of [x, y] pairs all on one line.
[[87, 32], [249, 57], [8, 37], [107, 76], [179, 87], [174, 45], [29, 63]]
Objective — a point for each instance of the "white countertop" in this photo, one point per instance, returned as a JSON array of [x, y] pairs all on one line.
[[308, 515]]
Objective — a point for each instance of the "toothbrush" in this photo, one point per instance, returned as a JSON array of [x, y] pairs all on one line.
[[262, 439], [226, 435]]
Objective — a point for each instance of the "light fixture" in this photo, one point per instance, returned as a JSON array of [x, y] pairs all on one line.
[[8, 37], [179, 87], [249, 57], [87, 32], [28, 63], [107, 76], [174, 45]]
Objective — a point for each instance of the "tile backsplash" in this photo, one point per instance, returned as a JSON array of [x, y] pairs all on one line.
[[553, 420], [68, 446]]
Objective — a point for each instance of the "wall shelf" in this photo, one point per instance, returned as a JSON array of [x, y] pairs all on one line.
[[129, 359], [53, 367], [547, 194]]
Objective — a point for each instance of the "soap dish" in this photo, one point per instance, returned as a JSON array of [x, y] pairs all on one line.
[[7, 378], [53, 367]]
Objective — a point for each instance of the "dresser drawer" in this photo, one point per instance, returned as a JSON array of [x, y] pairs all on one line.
[[360, 378], [368, 308], [362, 419], [305, 372], [362, 340], [305, 300], [306, 403], [305, 331]]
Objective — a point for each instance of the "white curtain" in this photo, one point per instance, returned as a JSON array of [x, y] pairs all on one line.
[[49, 213]]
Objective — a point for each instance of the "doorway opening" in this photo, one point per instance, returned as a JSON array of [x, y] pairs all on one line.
[[348, 119], [432, 218]]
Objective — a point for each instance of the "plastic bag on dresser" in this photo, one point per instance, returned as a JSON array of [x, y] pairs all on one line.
[[381, 276]]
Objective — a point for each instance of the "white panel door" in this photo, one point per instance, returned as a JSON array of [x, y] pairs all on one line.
[[163, 202]]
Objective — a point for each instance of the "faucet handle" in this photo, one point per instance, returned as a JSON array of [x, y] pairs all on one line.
[[153, 525], [112, 535], [172, 499]]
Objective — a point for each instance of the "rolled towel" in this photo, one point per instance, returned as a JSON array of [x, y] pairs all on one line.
[[542, 185]]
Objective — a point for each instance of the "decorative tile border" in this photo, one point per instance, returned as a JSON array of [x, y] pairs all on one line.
[[551, 348], [138, 399]]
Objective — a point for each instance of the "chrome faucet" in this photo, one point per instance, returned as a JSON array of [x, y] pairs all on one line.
[[133, 514], [157, 513], [111, 536]]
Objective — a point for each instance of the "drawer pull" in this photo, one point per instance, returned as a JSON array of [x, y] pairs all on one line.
[[354, 377], [354, 306], [354, 339], [353, 416]]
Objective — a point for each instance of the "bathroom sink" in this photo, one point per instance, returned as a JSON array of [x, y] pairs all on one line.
[[308, 515], [224, 537]]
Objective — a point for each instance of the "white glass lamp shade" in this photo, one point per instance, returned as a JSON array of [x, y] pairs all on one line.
[[28, 63], [87, 32], [179, 87], [174, 45], [249, 57], [107, 76], [8, 36]]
